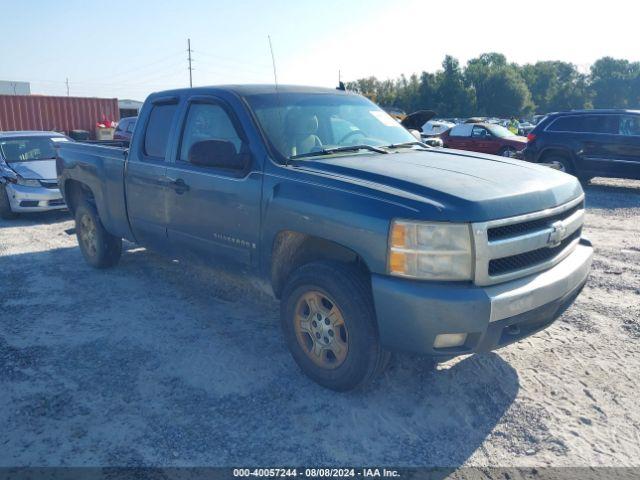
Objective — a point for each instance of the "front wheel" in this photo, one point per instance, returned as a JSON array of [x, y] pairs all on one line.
[[5, 207], [328, 320], [99, 248]]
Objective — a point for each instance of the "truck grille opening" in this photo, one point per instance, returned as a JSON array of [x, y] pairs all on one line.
[[506, 231], [500, 266], [514, 247]]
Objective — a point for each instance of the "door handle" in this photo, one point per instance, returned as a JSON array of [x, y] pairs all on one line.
[[179, 185]]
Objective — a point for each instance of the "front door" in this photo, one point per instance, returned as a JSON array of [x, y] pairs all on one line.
[[482, 140], [213, 212]]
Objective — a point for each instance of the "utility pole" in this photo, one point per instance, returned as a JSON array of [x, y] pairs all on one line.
[[190, 69], [67, 82]]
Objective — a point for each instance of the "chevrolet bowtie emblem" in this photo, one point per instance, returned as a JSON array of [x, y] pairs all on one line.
[[558, 231]]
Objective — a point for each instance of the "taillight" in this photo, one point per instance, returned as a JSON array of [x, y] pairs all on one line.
[[531, 137]]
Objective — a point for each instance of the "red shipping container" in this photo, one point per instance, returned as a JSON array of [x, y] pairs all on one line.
[[60, 114]]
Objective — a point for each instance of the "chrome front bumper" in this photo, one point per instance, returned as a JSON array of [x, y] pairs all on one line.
[[519, 296], [34, 199]]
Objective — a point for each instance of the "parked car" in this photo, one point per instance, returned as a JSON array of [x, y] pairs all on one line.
[[124, 129], [423, 123], [525, 128], [372, 242], [28, 173], [588, 143], [485, 138]]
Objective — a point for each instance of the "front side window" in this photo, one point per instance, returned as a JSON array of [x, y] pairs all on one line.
[[27, 149], [301, 123], [480, 132], [207, 121], [158, 129], [630, 125]]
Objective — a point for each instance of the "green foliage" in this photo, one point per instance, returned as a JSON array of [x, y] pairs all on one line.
[[490, 86]]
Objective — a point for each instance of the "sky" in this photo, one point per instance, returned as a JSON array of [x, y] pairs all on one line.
[[128, 49]]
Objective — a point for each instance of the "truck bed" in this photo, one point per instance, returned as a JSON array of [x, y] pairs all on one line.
[[101, 168]]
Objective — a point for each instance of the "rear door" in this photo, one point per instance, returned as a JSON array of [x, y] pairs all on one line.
[[626, 147], [146, 184], [599, 143], [213, 212]]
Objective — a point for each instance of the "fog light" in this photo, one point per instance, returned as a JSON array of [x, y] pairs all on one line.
[[448, 340]]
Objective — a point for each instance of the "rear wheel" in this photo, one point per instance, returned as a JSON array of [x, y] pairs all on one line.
[[5, 207], [508, 152], [99, 248], [328, 322], [560, 163]]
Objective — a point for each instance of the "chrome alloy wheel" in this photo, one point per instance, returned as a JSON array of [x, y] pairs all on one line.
[[558, 165], [88, 235], [321, 330]]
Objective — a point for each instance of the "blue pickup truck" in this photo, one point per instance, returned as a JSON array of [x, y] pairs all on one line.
[[372, 241]]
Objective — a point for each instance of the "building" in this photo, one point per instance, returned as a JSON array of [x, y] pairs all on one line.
[[8, 87], [129, 108]]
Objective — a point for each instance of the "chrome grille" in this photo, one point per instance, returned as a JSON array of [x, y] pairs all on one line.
[[504, 231], [514, 247], [49, 183]]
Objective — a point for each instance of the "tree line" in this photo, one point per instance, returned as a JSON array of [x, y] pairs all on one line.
[[488, 85]]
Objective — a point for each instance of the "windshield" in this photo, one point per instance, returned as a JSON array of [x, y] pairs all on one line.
[[28, 148], [500, 131], [302, 123]]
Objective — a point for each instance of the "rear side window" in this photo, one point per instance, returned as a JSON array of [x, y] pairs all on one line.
[[462, 130], [586, 124], [158, 127]]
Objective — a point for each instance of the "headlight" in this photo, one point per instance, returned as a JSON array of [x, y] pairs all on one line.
[[430, 250], [25, 182]]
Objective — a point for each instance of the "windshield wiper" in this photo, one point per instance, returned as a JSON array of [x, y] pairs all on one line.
[[346, 148], [407, 145]]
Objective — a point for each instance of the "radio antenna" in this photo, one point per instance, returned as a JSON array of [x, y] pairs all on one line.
[[275, 80], [273, 62]]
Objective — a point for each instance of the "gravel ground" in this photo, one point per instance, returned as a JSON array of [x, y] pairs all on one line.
[[160, 363]]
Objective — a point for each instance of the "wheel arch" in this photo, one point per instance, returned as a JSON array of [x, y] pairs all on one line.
[[557, 151], [292, 249], [75, 192]]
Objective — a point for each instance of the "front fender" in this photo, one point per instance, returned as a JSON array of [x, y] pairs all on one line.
[[356, 221]]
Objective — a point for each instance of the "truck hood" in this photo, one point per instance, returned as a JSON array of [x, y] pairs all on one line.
[[36, 169], [454, 185]]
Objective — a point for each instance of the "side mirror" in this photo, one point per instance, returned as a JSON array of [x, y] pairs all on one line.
[[416, 133], [218, 154]]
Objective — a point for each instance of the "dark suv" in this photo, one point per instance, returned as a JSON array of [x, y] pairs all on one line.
[[588, 143]]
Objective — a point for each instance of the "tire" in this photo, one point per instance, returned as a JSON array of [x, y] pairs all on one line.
[[509, 152], [5, 207], [348, 294], [585, 180], [563, 163], [99, 248]]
